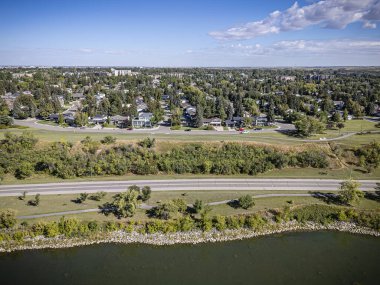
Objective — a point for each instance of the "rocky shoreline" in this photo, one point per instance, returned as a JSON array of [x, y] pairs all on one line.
[[192, 237]]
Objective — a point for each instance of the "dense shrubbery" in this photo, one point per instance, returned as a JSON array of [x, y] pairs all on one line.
[[19, 156]]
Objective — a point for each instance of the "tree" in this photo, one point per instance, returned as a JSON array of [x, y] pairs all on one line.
[[246, 201], [349, 192], [81, 119], [340, 126], [61, 119], [4, 110], [7, 219], [198, 206], [35, 201], [307, 126], [24, 107], [345, 115], [24, 170], [146, 193], [199, 117], [125, 204], [336, 117], [6, 120]]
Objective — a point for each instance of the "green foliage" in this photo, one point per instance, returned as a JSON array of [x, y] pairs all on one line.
[[35, 201], [7, 219], [25, 170], [220, 222], [307, 126], [147, 142], [315, 213], [349, 192], [108, 140], [146, 193], [124, 204], [198, 206], [246, 202], [97, 196], [5, 121]]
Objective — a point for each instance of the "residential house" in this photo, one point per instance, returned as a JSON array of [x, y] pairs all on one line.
[[78, 96], [215, 122], [260, 120], [143, 120], [338, 105], [99, 119], [119, 121]]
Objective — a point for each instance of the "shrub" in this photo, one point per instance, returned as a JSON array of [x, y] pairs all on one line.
[[220, 222], [108, 140], [24, 170], [7, 219], [246, 202]]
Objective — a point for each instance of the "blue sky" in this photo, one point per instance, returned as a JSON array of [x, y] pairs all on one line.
[[190, 33]]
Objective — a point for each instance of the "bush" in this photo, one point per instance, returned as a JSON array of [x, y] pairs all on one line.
[[219, 222], [25, 170], [7, 219], [147, 142], [108, 140], [246, 202]]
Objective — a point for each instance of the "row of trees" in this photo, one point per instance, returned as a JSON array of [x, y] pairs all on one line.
[[20, 156]]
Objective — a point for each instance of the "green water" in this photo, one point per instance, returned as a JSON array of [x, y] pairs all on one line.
[[295, 258]]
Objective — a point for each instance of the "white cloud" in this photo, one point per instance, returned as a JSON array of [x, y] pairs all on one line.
[[332, 14]]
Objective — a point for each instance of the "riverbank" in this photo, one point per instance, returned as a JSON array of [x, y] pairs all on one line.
[[191, 237]]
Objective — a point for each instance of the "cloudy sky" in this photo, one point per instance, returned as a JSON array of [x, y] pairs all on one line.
[[190, 32]]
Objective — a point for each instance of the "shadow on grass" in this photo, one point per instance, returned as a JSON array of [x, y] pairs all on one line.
[[375, 196], [234, 204], [328, 198]]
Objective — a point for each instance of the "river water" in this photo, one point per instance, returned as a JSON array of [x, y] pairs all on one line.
[[292, 258]]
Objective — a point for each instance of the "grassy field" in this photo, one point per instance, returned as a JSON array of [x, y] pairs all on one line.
[[62, 203]]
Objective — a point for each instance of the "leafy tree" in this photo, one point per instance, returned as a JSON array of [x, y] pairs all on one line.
[[5, 121], [345, 115], [198, 206], [7, 219], [125, 203], [146, 193], [24, 107], [349, 192], [4, 110], [61, 119], [246, 201], [199, 117], [81, 119], [340, 126], [24, 170], [307, 126]]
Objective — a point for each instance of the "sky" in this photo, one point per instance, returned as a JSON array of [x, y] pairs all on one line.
[[188, 33]]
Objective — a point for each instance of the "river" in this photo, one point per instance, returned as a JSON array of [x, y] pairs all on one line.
[[293, 258]]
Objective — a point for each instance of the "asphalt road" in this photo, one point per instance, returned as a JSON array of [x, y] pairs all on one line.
[[184, 185], [33, 123]]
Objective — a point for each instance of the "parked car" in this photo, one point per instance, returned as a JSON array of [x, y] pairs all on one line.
[[258, 129], [187, 130], [244, 132]]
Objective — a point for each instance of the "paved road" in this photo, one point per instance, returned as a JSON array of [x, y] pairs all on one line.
[[147, 207], [183, 185], [33, 123]]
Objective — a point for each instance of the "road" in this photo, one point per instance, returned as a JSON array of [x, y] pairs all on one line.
[[184, 185], [33, 123]]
